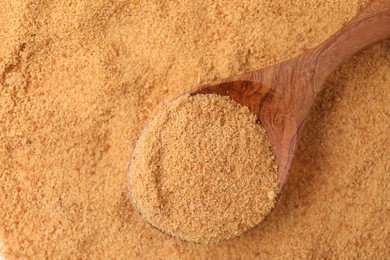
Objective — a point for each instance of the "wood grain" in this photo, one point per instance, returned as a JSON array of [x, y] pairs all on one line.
[[282, 95]]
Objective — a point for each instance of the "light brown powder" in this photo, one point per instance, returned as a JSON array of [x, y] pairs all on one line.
[[79, 79], [203, 170]]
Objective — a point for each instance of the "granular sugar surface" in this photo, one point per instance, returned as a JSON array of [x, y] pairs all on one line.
[[203, 170], [80, 79]]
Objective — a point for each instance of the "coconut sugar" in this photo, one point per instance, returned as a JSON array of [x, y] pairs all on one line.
[[203, 170], [80, 79]]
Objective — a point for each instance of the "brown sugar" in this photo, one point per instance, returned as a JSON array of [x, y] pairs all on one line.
[[80, 79], [203, 170]]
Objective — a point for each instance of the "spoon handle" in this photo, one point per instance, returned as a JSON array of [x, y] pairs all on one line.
[[369, 27]]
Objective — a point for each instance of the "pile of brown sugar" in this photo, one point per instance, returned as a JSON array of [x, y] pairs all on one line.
[[80, 79], [203, 170]]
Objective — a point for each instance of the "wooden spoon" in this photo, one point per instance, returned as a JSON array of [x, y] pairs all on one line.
[[282, 95]]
